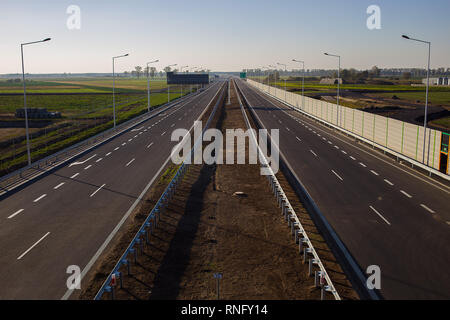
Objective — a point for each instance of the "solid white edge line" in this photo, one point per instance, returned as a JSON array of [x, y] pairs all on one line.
[[379, 214], [34, 245]]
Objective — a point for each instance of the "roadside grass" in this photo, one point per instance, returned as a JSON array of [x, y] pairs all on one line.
[[68, 105], [444, 122], [90, 85], [435, 97]]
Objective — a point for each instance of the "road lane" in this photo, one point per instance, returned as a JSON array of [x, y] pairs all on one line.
[[79, 223], [412, 251]]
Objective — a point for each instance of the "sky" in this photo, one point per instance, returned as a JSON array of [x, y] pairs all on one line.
[[221, 35]]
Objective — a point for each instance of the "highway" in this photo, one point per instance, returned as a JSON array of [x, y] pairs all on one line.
[[385, 213], [67, 217]]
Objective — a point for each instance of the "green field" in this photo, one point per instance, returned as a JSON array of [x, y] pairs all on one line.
[[89, 85], [444, 122], [435, 97], [85, 106]]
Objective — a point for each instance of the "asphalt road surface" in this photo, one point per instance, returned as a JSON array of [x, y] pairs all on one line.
[[385, 213], [65, 217]]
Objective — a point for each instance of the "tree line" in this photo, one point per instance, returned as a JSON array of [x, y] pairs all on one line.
[[152, 72]]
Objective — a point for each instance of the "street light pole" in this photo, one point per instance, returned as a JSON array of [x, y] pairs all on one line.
[[25, 96], [148, 84], [285, 71], [181, 71], [338, 120], [425, 120], [271, 66], [167, 78], [303, 82], [114, 84]]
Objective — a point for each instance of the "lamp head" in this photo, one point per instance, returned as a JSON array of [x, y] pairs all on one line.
[[47, 39], [405, 36]]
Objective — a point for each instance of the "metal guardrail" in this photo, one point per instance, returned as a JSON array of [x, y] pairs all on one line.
[[394, 153], [321, 278], [30, 172], [151, 221]]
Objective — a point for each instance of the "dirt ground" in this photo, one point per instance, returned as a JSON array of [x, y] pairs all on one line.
[[207, 228]]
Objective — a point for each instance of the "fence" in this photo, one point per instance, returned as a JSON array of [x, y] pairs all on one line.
[[402, 139], [152, 220]]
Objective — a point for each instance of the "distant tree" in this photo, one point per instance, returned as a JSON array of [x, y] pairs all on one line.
[[406, 75], [167, 69], [138, 70], [152, 72], [147, 72], [375, 72]]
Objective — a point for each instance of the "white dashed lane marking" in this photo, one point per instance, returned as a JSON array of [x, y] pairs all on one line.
[[74, 176], [15, 213], [34, 245], [337, 175], [426, 208], [388, 182], [40, 198], [405, 194], [59, 185], [130, 162], [93, 194], [379, 214]]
